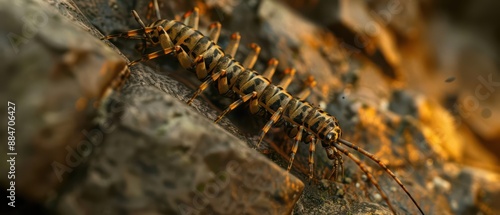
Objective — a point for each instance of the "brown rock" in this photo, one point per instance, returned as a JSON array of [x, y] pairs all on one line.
[[164, 158], [118, 164]]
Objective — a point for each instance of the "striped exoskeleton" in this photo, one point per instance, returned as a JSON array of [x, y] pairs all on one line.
[[213, 65]]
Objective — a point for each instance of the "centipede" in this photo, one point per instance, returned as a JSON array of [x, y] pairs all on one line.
[[213, 65]]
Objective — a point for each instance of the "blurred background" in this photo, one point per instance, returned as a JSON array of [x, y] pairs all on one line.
[[445, 50]]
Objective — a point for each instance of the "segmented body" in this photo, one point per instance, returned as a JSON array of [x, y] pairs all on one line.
[[201, 54]]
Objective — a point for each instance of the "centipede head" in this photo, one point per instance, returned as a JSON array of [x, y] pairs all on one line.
[[331, 132]]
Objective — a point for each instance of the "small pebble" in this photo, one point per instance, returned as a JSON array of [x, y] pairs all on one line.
[[347, 180], [377, 197], [325, 183], [454, 205], [340, 192], [441, 184]]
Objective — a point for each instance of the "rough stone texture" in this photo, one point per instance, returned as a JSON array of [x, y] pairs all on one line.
[[164, 158], [152, 154], [146, 152], [54, 73]]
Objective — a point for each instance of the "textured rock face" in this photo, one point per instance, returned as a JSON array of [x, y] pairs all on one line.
[[141, 150], [165, 158], [54, 72]]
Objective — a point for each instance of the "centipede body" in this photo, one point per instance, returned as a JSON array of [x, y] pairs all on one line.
[[201, 55]]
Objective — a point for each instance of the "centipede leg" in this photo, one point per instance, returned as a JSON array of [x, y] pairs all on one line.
[[153, 5], [205, 84], [234, 105], [141, 23], [290, 74], [234, 42], [386, 169], [370, 177], [168, 47], [338, 162], [191, 18], [271, 68], [274, 118], [312, 148], [154, 55], [222, 84], [201, 69], [214, 31], [138, 19], [309, 84], [118, 82], [295, 147], [132, 34], [249, 62]]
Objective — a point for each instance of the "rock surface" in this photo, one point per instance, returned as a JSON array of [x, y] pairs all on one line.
[[164, 158], [114, 157], [54, 75]]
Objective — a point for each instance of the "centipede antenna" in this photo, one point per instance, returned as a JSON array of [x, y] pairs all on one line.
[[139, 20], [372, 157], [368, 174], [157, 9]]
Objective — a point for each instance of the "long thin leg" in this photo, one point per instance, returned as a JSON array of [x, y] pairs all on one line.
[[205, 84], [274, 118], [308, 85], [138, 19], [118, 82], [289, 74], [166, 43], [312, 148], [222, 83], [168, 48], [153, 5], [192, 17], [368, 174], [141, 47], [235, 104], [153, 55], [132, 34], [141, 23], [271, 68], [234, 42], [201, 69], [338, 162], [372, 157], [214, 31], [249, 62], [295, 147]]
